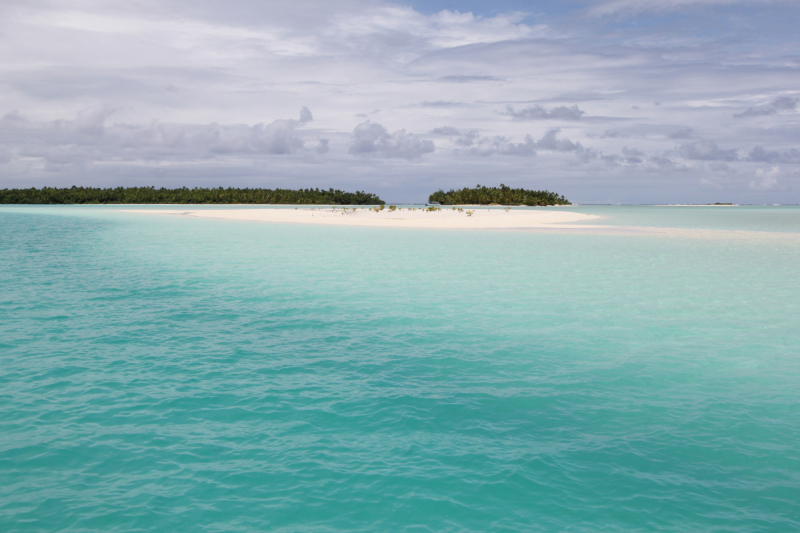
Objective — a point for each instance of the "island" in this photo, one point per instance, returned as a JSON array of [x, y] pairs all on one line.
[[184, 195], [502, 195]]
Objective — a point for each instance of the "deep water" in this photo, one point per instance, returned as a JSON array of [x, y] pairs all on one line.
[[170, 374]]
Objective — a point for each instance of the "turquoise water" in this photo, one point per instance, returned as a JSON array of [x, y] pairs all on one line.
[[174, 374]]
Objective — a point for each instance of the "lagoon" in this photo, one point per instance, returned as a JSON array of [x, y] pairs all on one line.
[[194, 374]]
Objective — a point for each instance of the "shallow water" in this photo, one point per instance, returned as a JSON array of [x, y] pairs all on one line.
[[209, 375]]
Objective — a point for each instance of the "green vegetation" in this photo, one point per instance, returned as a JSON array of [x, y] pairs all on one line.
[[151, 195], [720, 203], [502, 195]]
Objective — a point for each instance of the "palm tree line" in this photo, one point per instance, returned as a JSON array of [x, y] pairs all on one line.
[[502, 195]]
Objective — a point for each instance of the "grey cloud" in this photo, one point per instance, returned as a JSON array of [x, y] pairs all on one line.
[[322, 147], [538, 112], [305, 116], [664, 163], [760, 155], [92, 121], [446, 130], [469, 138], [277, 138], [685, 133], [467, 79], [609, 134], [706, 151], [476, 144], [550, 142], [632, 155], [74, 144], [14, 116], [371, 138], [780, 104], [441, 103]]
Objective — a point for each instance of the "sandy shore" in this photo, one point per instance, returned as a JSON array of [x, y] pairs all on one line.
[[538, 220], [405, 218]]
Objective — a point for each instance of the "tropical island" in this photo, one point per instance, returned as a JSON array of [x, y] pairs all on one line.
[[184, 195], [502, 195]]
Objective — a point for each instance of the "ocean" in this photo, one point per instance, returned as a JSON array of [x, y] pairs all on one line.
[[182, 374]]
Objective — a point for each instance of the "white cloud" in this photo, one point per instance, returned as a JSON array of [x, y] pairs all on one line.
[[609, 7], [372, 139], [779, 105], [766, 180]]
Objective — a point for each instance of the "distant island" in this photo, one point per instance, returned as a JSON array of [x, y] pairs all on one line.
[[197, 195], [502, 195]]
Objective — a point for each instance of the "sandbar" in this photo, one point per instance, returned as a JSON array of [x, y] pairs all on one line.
[[473, 218]]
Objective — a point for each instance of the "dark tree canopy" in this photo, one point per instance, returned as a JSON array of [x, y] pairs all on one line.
[[502, 195], [198, 195]]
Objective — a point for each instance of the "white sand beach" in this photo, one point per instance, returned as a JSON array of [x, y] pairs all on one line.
[[466, 218]]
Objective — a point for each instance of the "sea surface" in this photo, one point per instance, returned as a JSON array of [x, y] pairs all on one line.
[[174, 374]]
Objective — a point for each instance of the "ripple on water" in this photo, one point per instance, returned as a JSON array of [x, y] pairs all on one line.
[[241, 377]]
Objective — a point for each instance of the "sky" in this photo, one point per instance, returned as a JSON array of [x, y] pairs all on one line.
[[603, 101]]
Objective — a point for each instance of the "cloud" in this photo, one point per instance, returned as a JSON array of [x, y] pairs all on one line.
[[14, 116], [371, 138], [305, 116], [766, 180], [666, 164], [473, 143], [460, 78], [497, 145], [552, 143], [446, 130], [780, 104], [760, 155], [706, 151], [174, 95], [74, 144], [610, 7], [538, 112], [632, 155], [683, 133], [441, 103]]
